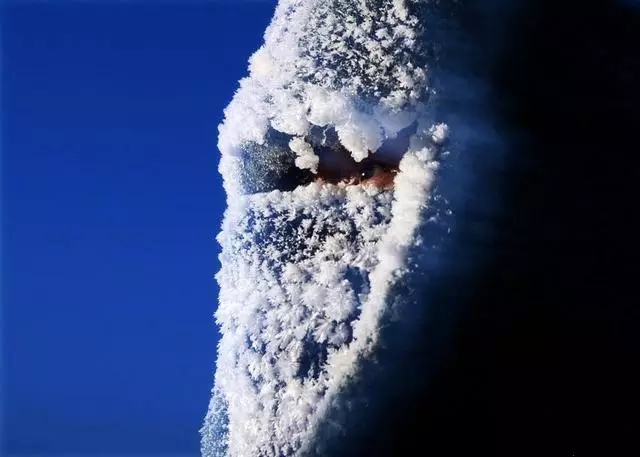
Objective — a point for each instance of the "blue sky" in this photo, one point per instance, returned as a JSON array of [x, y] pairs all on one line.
[[111, 203]]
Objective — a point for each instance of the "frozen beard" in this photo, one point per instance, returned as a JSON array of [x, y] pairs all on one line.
[[298, 267], [327, 170], [304, 280]]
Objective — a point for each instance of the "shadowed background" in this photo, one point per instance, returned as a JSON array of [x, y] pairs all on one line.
[[543, 359]]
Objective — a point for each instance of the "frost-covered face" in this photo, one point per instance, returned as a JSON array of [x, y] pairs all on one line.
[[328, 157]]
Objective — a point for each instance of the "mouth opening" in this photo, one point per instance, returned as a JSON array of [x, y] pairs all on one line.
[[272, 166], [336, 164]]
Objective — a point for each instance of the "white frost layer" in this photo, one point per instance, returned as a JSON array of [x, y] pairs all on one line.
[[306, 159], [328, 62], [306, 273], [286, 296]]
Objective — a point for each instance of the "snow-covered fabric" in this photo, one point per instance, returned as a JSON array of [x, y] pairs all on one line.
[[307, 265]]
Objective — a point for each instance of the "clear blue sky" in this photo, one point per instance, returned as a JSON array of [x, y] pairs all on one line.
[[111, 203]]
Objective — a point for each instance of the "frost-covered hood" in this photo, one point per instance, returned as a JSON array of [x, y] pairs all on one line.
[[329, 153]]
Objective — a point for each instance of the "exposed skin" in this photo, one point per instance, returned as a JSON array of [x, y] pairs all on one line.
[[341, 168], [382, 180]]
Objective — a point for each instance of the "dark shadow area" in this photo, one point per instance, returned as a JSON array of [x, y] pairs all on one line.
[[544, 353]]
